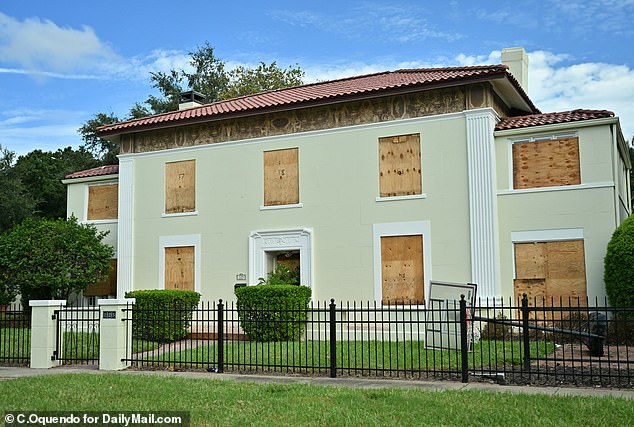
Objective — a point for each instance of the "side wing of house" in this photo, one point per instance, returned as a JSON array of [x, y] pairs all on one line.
[[93, 198], [562, 190]]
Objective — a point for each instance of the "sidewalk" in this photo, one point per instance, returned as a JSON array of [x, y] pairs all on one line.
[[7, 373]]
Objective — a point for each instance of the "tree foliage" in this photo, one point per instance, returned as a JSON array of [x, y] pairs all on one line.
[[16, 202], [103, 149], [619, 266], [41, 174], [51, 259], [247, 81]]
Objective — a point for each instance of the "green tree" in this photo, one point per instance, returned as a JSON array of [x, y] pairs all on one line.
[[619, 266], [16, 202], [104, 150], [247, 81], [52, 259], [41, 173]]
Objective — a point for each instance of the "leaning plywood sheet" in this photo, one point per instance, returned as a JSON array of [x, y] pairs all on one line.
[[442, 320]]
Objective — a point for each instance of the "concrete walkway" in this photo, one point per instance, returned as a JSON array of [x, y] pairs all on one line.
[[7, 373]]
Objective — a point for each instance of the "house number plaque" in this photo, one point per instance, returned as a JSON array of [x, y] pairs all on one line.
[[109, 314]]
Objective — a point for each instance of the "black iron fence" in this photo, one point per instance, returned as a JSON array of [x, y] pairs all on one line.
[[529, 342], [77, 331], [15, 335]]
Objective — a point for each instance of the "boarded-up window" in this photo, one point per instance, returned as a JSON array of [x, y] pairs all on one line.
[[107, 286], [399, 165], [180, 268], [180, 187], [402, 269], [546, 163], [281, 177], [550, 271], [103, 202]]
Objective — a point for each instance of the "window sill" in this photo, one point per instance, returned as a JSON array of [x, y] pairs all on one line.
[[275, 207], [100, 221], [557, 188], [394, 198], [170, 215]]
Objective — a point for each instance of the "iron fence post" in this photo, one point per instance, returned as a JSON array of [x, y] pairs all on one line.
[[333, 340], [463, 340], [221, 337], [525, 333]]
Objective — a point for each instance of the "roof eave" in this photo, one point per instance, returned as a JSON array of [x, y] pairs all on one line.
[[525, 103], [557, 126]]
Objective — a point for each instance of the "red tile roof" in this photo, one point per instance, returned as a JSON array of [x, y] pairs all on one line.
[[350, 88], [551, 118], [100, 171]]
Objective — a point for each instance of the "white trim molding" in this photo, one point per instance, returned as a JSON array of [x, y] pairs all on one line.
[[396, 198], [175, 242], [277, 207], [555, 235], [412, 228], [261, 242], [483, 209], [125, 227]]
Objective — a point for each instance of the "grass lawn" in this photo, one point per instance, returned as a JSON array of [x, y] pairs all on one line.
[[368, 355], [227, 403]]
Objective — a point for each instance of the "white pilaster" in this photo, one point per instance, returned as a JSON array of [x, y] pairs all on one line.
[[483, 210], [125, 226]]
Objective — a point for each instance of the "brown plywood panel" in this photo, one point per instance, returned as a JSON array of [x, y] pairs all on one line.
[[180, 186], [535, 290], [105, 287], [566, 260], [546, 163], [566, 292], [403, 279], [399, 165], [103, 201], [281, 177], [531, 261], [179, 268], [290, 261]]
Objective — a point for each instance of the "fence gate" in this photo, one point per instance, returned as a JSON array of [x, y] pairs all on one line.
[[77, 335]]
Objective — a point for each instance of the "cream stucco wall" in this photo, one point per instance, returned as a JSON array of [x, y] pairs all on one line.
[[77, 205], [590, 206], [338, 189]]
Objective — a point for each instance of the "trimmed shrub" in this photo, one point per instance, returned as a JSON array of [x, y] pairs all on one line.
[[619, 266], [273, 312], [162, 315]]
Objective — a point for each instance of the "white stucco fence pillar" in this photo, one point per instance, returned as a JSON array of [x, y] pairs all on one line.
[[115, 333], [44, 332]]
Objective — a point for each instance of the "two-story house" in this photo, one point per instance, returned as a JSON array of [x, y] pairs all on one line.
[[373, 185]]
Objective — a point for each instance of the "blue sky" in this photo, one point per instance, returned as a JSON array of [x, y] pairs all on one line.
[[63, 62]]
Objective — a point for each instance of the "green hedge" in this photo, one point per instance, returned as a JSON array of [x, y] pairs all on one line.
[[619, 266], [162, 315], [273, 312]]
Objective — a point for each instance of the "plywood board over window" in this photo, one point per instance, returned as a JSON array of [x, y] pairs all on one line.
[[180, 187], [551, 272], [546, 163], [106, 287], [103, 202], [399, 165], [281, 177], [402, 272], [180, 268]]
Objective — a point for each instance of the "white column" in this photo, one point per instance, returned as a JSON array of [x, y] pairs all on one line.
[[483, 209], [115, 334], [44, 332], [125, 226]]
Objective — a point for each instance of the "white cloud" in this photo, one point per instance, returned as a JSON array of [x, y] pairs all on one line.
[[41, 46]]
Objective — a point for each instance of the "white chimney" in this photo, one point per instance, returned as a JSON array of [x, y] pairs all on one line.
[[517, 61], [191, 99]]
